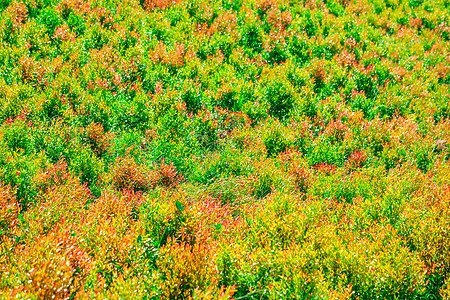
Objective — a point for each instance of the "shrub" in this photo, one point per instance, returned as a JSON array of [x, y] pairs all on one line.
[[9, 207], [276, 138], [128, 174], [185, 268], [98, 139], [167, 176]]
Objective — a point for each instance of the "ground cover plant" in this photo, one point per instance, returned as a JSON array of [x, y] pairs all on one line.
[[231, 149]]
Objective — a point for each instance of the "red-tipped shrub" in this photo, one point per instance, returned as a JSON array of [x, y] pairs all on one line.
[[19, 13], [9, 208], [128, 174], [159, 4], [167, 175], [325, 168], [53, 266], [54, 175], [99, 140], [357, 160]]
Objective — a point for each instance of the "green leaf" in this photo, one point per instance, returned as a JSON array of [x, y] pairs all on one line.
[[179, 206]]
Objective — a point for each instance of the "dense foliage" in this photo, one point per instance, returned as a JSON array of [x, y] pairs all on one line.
[[246, 149]]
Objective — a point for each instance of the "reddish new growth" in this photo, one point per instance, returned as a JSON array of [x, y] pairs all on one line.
[[98, 138], [357, 160], [57, 263], [319, 73], [32, 70], [174, 57], [63, 33], [9, 208], [265, 5], [301, 178], [336, 130], [55, 175], [279, 20], [160, 4], [326, 168], [346, 58], [128, 174], [167, 175], [19, 14]]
